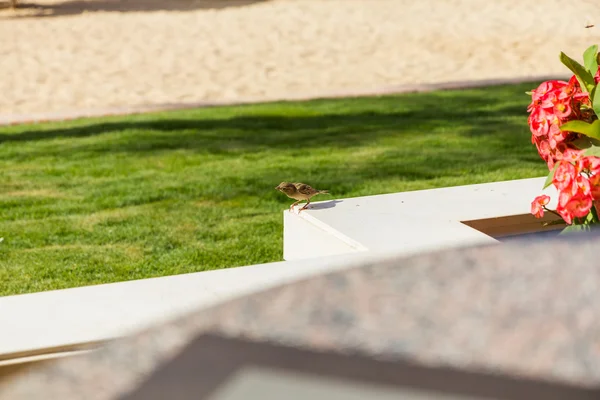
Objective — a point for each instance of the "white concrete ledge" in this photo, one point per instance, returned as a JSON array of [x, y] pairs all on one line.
[[44, 321], [335, 234], [408, 222]]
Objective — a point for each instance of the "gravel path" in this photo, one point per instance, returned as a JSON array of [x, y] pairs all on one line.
[[58, 56]]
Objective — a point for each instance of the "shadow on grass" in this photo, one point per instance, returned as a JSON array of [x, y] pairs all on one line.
[[74, 7], [250, 133], [415, 137]]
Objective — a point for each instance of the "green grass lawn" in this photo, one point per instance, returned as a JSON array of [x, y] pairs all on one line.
[[112, 199]]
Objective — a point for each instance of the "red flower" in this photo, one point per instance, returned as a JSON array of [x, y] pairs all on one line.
[[574, 200], [544, 88], [562, 108], [589, 164], [573, 85], [595, 186], [543, 148], [577, 177], [538, 123], [564, 175], [581, 186], [579, 206], [572, 156], [552, 104], [537, 205], [582, 97], [565, 215]]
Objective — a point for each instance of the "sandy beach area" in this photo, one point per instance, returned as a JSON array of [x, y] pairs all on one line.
[[58, 56]]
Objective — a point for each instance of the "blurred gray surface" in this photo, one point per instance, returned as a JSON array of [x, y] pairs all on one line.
[[527, 308], [263, 384]]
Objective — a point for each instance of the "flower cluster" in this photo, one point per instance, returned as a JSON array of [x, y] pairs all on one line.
[[578, 185], [552, 104], [563, 119]]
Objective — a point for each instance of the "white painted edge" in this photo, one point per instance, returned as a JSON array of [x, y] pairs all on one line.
[[328, 229], [78, 316], [42, 357], [390, 223], [45, 320]]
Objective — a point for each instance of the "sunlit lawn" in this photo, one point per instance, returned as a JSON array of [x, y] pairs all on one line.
[[112, 199]]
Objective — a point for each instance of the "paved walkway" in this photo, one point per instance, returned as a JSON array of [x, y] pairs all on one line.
[[71, 55]]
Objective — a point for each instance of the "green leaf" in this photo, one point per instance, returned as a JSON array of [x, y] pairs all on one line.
[[590, 59], [585, 142], [575, 228], [589, 219], [592, 151], [585, 78], [550, 176], [595, 97], [594, 215], [582, 142], [583, 225], [591, 130]]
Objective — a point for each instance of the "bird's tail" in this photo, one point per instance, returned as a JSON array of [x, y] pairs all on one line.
[[323, 191]]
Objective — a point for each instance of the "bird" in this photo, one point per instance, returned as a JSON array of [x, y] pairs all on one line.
[[299, 191]]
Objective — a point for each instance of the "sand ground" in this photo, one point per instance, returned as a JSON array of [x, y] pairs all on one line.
[[60, 56]]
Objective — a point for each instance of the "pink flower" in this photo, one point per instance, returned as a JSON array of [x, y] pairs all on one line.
[[537, 205], [539, 121], [565, 215], [595, 186], [543, 148], [564, 175], [545, 87], [572, 156], [552, 142], [581, 186], [579, 206], [563, 199], [552, 104], [582, 97], [562, 109], [589, 164], [573, 86], [575, 199]]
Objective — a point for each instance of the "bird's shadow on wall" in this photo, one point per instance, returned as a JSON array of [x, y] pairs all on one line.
[[323, 205], [31, 9]]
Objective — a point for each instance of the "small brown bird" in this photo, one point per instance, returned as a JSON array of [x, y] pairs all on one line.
[[299, 191], [589, 26]]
